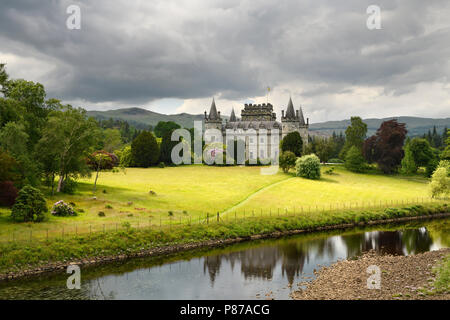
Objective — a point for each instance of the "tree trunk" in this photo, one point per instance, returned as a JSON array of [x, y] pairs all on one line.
[[53, 183], [96, 177], [60, 183]]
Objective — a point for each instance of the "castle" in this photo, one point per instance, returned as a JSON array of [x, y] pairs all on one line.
[[260, 121]]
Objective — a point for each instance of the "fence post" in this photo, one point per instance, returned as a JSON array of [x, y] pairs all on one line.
[[47, 234], [218, 217], [207, 218]]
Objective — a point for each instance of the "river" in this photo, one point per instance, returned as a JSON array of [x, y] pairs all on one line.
[[252, 270]]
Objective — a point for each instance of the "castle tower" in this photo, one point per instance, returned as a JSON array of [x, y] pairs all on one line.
[[213, 120], [294, 121]]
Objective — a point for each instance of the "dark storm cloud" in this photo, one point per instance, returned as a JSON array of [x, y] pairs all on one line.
[[134, 52]]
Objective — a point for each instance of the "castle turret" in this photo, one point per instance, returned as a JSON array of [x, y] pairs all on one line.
[[213, 119], [232, 116], [293, 120]]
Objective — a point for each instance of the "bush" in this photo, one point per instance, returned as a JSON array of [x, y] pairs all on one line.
[[287, 161], [144, 150], [440, 180], [69, 186], [335, 160], [125, 157], [431, 167], [30, 205], [8, 193], [308, 167], [161, 165], [62, 209], [354, 160], [101, 214]]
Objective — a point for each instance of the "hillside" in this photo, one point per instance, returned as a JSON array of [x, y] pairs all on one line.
[[415, 125], [142, 118]]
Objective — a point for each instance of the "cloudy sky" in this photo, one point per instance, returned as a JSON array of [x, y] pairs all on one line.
[[174, 56]]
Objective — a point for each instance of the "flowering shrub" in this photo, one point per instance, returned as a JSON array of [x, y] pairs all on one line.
[[62, 209]]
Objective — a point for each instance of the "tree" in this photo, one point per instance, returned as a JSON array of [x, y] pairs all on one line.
[[354, 135], [446, 153], [71, 135], [101, 160], [125, 159], [292, 142], [112, 140], [421, 150], [144, 150], [166, 147], [30, 206], [408, 166], [386, 147], [354, 160], [324, 149], [162, 128], [308, 167], [440, 180], [287, 161]]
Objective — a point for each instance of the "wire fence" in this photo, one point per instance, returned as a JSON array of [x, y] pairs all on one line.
[[168, 223]]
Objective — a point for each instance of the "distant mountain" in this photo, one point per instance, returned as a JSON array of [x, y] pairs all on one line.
[[416, 126], [142, 118]]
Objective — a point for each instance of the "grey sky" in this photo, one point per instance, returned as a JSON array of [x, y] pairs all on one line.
[[174, 56]]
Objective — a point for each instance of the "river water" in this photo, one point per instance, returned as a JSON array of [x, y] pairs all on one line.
[[253, 270]]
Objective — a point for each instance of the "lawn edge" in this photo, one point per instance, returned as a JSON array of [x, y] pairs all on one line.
[[170, 249]]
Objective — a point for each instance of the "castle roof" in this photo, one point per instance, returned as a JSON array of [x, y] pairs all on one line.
[[213, 115], [301, 118], [290, 113], [233, 116]]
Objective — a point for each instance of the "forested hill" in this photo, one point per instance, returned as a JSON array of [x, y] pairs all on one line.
[[416, 126], [141, 119]]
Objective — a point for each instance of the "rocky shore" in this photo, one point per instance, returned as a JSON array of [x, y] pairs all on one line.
[[401, 278]]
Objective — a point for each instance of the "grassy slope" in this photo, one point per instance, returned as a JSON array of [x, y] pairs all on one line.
[[201, 189]]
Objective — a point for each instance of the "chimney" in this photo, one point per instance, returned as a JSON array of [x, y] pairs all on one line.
[[296, 113], [206, 117], [282, 114]]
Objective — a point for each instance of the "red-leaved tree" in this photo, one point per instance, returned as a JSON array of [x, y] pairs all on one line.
[[386, 147]]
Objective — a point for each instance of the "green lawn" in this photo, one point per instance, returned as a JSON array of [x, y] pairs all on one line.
[[192, 191]]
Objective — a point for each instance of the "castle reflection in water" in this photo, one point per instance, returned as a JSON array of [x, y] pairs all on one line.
[[291, 255]]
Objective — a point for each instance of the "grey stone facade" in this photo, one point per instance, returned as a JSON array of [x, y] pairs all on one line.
[[256, 125]]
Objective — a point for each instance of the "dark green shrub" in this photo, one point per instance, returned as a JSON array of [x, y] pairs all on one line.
[[108, 206], [101, 214], [30, 205], [308, 167], [69, 186], [161, 165], [287, 161], [292, 142]]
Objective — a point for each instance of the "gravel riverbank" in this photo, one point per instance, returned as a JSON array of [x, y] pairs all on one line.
[[402, 277]]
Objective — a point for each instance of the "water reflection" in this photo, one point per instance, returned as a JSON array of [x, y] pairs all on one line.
[[237, 272]]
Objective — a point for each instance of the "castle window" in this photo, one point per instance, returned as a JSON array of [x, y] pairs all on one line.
[[262, 140], [261, 154], [251, 155], [251, 140]]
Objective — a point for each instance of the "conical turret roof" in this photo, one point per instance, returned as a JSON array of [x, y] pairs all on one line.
[[301, 118], [232, 116], [290, 113], [213, 111]]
